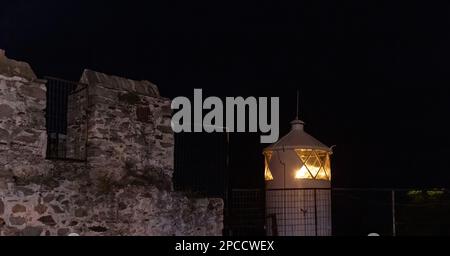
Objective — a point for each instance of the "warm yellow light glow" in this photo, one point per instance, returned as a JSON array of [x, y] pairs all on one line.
[[315, 164], [267, 173], [302, 173], [322, 175]]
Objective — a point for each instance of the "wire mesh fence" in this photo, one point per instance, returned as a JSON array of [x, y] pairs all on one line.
[[201, 163], [341, 211], [303, 212], [400, 212], [247, 212]]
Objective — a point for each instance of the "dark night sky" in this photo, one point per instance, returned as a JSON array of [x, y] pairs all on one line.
[[373, 77]]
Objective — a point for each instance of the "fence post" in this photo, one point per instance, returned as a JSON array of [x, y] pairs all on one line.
[[393, 213], [315, 211]]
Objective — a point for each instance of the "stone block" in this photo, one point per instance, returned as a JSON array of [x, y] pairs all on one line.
[[47, 220], [19, 208], [33, 91], [2, 207], [31, 231], [14, 68], [17, 221], [6, 111]]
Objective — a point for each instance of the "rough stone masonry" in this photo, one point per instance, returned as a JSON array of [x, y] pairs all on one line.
[[125, 185]]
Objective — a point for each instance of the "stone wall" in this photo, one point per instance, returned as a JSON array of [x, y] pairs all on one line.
[[77, 113], [22, 122], [130, 138], [72, 206], [124, 187]]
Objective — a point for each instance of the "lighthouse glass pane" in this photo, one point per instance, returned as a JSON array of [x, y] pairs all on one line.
[[267, 173], [313, 164], [304, 172], [303, 154], [323, 157], [321, 175], [327, 167]]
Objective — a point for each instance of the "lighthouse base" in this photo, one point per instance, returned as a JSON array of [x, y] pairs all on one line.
[[298, 212]]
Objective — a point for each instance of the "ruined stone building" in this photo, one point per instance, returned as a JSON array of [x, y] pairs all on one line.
[[108, 173]]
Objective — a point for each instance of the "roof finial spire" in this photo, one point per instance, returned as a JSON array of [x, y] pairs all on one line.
[[297, 124], [296, 114]]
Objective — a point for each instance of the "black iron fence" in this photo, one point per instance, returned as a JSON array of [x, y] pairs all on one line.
[[387, 212], [247, 212], [66, 119], [201, 161]]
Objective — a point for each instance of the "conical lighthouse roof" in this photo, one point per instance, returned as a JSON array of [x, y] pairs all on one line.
[[297, 138]]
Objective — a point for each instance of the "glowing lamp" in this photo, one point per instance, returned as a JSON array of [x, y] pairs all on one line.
[[302, 173]]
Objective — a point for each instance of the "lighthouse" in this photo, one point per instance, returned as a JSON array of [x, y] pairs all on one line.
[[298, 185]]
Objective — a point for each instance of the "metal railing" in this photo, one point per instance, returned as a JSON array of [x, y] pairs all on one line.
[[354, 211], [201, 161], [247, 212], [66, 119]]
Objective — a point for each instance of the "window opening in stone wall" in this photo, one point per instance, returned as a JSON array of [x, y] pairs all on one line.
[[66, 119]]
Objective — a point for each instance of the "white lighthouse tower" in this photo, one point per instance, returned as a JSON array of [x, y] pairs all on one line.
[[298, 185]]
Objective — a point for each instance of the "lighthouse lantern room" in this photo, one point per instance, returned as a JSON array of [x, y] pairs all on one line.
[[298, 183]]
